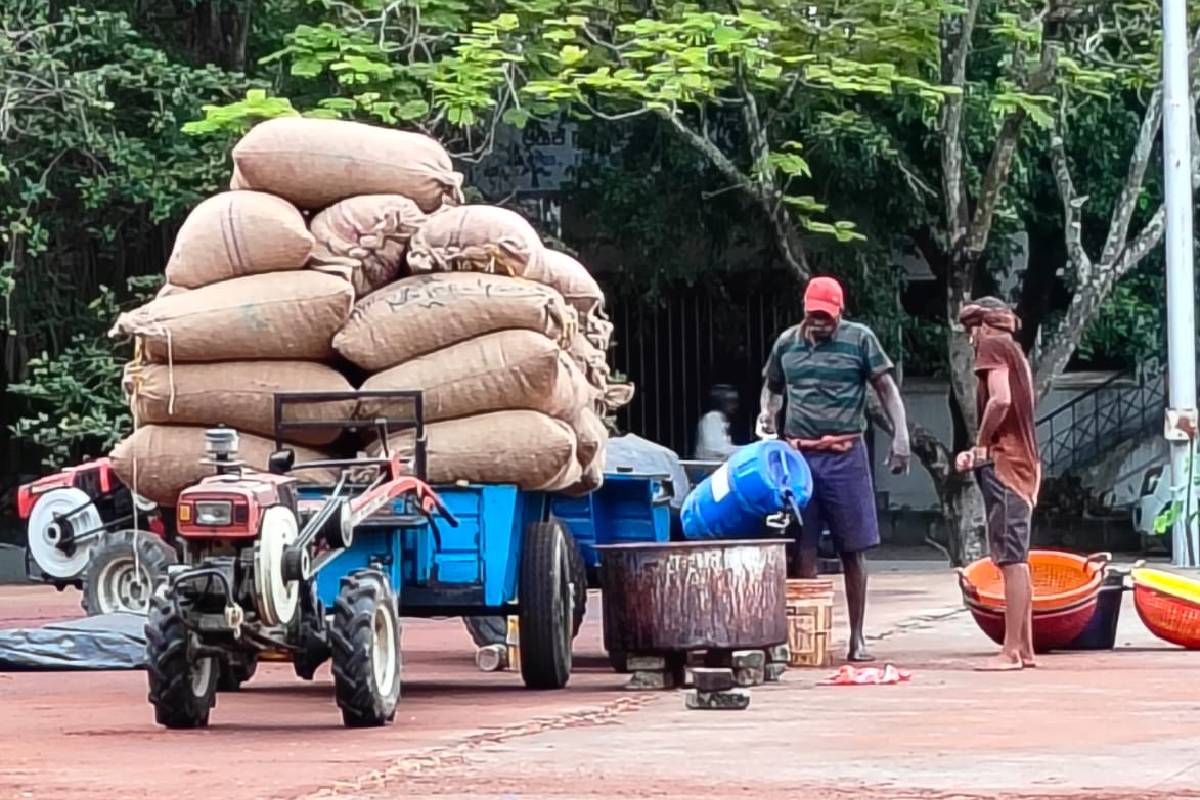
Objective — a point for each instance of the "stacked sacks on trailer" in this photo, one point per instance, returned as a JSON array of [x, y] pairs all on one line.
[[260, 280]]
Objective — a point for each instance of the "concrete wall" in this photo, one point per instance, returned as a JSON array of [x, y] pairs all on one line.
[[925, 402]]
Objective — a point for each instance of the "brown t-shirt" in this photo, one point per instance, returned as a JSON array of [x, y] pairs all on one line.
[[1014, 447]]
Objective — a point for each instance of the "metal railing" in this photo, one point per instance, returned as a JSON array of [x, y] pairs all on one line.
[[1090, 424]]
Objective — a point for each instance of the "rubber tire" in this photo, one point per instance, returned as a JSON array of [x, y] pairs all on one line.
[[314, 647], [363, 704], [487, 630], [154, 555], [579, 579], [168, 669], [617, 660], [545, 596], [234, 675]]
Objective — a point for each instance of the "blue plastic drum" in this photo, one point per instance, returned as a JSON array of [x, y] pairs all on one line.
[[757, 481]]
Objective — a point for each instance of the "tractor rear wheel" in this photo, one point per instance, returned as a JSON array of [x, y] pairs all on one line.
[[124, 569], [546, 606], [365, 639], [182, 687], [235, 673]]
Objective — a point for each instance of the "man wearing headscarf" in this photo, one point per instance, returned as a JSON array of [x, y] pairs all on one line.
[[825, 364], [1007, 466]]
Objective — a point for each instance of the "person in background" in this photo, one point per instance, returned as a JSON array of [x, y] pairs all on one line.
[[1007, 466], [825, 364], [712, 434]]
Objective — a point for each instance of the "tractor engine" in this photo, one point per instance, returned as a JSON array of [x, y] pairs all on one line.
[[240, 531]]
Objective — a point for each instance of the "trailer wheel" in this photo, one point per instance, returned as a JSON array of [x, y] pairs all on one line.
[[182, 688], [365, 639], [313, 644], [487, 631], [546, 607], [235, 673], [123, 571], [579, 586]]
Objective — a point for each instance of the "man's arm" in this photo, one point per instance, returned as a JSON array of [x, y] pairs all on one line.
[[999, 401], [893, 406], [770, 403]]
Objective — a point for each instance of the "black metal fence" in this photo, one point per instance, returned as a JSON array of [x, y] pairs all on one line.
[[677, 349]]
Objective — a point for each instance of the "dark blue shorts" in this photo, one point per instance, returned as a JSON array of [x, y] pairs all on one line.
[[843, 500]]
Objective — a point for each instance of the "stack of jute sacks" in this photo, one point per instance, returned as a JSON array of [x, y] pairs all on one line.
[[261, 298]]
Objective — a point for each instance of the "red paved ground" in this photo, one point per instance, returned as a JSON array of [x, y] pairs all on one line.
[[65, 735]]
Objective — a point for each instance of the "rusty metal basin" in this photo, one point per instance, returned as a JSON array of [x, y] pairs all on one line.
[[697, 595]]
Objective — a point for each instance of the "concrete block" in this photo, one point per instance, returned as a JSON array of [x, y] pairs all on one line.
[[634, 662], [750, 676], [652, 680], [713, 679], [732, 700], [747, 659], [774, 672], [779, 654]]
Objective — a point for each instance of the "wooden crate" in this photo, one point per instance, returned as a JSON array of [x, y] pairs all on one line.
[[810, 622]]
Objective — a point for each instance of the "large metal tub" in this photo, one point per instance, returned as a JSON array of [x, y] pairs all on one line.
[[697, 595]]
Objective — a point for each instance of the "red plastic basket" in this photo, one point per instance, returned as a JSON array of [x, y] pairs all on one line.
[[1052, 630], [1170, 618]]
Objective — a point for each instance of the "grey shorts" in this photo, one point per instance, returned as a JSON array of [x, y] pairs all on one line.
[[1009, 519]]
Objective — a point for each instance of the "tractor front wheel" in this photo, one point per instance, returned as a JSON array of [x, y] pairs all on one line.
[[365, 639], [124, 569], [547, 606], [182, 687]]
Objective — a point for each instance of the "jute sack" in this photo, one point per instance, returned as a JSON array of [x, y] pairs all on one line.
[[314, 163], [617, 395], [525, 448], [168, 460], [259, 316], [168, 290], [425, 313], [598, 331], [592, 436], [569, 278], [237, 394], [238, 233], [506, 370], [591, 479], [368, 233], [590, 360], [475, 239]]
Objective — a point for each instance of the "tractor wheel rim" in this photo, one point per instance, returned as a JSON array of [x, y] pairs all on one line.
[[121, 586], [383, 649], [201, 674]]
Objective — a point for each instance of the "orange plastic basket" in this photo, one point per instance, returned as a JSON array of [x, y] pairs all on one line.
[[1060, 580], [1170, 617]]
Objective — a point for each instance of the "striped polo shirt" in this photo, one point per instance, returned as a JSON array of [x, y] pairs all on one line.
[[826, 383]]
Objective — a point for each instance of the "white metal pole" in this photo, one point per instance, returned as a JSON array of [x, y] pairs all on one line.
[[1181, 322]]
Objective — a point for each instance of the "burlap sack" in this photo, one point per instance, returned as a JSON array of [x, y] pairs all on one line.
[[525, 448], [590, 360], [259, 316], [235, 234], [598, 331], [569, 278], [168, 460], [475, 239], [314, 163], [168, 290], [591, 479], [425, 313], [506, 370], [370, 234], [591, 434], [237, 394]]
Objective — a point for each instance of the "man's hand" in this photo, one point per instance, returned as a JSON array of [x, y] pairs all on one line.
[[970, 459], [899, 457], [766, 422]]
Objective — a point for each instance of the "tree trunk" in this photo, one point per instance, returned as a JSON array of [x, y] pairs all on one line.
[[966, 531]]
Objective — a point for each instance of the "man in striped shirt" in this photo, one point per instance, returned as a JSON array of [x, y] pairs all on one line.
[[824, 365]]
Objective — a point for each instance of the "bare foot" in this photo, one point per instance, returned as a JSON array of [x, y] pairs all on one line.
[[858, 654], [1002, 663], [1028, 661]]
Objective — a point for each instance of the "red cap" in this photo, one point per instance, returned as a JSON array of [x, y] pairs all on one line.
[[824, 294]]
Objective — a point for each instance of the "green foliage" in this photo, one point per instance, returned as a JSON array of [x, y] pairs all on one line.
[[74, 397], [1130, 324]]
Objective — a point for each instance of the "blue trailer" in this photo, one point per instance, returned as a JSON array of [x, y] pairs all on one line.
[[276, 565]]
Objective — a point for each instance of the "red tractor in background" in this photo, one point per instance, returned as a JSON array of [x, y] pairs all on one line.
[[88, 530]]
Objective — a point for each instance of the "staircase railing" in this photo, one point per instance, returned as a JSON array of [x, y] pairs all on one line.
[[1083, 428]]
